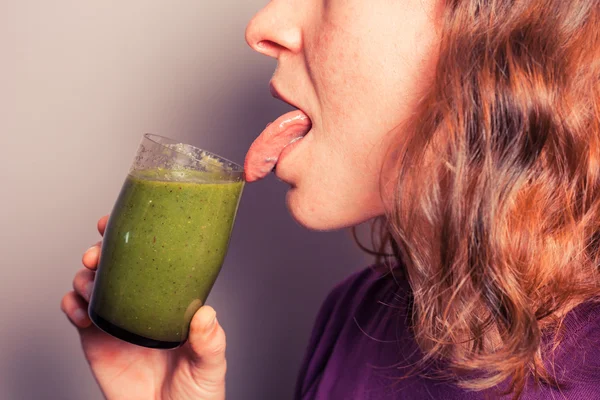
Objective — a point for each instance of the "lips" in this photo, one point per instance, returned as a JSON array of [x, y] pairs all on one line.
[[266, 149]]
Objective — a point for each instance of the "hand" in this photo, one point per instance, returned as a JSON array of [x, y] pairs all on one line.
[[195, 370]]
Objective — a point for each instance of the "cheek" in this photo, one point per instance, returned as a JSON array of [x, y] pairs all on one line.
[[366, 81], [338, 67]]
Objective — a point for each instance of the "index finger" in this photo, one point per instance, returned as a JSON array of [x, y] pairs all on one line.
[[102, 224]]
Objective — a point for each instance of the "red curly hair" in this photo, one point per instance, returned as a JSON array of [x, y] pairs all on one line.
[[496, 215]]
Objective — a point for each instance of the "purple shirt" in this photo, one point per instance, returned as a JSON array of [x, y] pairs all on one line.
[[360, 346]]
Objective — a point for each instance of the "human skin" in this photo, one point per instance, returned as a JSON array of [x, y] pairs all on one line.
[[357, 69]]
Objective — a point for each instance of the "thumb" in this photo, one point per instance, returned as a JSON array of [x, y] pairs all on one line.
[[207, 356]]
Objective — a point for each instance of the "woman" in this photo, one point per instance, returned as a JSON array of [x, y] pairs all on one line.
[[471, 130]]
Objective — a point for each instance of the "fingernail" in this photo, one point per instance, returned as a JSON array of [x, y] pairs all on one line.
[[90, 249], [88, 290], [211, 324], [79, 315]]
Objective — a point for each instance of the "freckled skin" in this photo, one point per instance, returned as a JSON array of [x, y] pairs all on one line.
[[357, 69], [162, 251]]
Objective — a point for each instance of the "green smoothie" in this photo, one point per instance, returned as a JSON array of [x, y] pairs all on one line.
[[163, 248]]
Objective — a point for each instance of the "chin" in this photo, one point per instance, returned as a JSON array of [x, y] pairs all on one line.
[[313, 213]]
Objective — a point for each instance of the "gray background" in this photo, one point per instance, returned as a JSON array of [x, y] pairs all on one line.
[[80, 82]]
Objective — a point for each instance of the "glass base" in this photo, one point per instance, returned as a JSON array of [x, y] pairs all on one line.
[[127, 336]]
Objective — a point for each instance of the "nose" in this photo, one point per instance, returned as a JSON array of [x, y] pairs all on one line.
[[275, 29]]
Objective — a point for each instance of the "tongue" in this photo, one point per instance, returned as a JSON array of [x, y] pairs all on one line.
[[265, 150]]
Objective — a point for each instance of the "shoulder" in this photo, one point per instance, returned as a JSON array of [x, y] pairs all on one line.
[[576, 361], [364, 298], [583, 320], [352, 297], [373, 282], [580, 336]]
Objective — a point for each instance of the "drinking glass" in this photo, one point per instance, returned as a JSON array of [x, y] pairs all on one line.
[[165, 242]]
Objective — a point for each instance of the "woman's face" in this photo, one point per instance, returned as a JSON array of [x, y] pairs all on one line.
[[357, 69]]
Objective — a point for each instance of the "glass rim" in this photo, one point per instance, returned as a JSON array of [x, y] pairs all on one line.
[[151, 137]]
